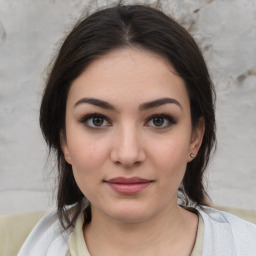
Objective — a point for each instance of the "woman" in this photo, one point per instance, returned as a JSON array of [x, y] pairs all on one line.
[[129, 111]]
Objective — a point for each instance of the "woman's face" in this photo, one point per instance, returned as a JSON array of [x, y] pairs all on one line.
[[129, 135]]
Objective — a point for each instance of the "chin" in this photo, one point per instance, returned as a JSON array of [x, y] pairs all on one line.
[[129, 214], [130, 218]]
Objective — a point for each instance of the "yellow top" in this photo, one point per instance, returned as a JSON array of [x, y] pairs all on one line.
[[77, 246], [15, 229]]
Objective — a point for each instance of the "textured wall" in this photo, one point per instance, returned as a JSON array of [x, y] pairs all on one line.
[[30, 33]]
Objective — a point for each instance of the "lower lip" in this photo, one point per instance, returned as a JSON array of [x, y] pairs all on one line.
[[130, 188]]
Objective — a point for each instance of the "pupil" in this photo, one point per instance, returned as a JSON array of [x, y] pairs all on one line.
[[158, 121], [97, 121]]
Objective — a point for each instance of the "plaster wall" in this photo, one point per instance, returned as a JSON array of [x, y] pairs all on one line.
[[31, 32]]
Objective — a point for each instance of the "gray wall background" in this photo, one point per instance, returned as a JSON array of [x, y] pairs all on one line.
[[30, 34]]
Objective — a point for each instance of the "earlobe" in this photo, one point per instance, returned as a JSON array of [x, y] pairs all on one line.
[[65, 149], [66, 154], [196, 139]]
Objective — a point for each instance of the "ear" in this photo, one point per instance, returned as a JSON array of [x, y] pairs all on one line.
[[196, 139], [64, 147]]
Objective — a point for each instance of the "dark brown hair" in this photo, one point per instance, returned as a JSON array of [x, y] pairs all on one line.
[[119, 27]]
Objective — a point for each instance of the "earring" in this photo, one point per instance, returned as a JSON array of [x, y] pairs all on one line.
[[192, 155]]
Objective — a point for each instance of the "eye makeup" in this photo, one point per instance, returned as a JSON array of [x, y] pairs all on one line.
[[100, 121], [95, 121], [161, 121]]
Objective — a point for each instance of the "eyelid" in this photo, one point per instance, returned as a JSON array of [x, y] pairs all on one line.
[[168, 117], [85, 118]]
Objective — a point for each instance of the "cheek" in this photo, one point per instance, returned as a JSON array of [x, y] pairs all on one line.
[[87, 162], [172, 151], [87, 157], [171, 157]]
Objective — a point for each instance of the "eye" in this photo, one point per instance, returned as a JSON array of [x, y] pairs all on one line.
[[95, 121], [161, 121]]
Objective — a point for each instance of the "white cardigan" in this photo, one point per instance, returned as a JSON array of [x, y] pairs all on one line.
[[224, 235]]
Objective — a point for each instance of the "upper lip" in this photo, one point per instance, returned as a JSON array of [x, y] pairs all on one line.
[[123, 180]]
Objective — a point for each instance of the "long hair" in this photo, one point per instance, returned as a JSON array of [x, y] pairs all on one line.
[[117, 27]]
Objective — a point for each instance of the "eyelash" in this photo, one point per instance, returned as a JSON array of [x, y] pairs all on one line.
[[167, 117], [86, 118]]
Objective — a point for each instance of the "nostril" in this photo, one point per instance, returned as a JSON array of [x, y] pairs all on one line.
[[127, 149]]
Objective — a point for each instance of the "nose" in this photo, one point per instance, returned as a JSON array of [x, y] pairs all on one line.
[[127, 148]]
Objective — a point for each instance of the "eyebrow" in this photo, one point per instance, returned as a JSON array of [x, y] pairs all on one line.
[[158, 102], [144, 106], [95, 102]]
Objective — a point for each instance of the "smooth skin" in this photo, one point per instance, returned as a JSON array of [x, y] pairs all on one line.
[[128, 115]]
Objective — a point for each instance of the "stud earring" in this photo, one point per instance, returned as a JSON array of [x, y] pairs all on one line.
[[192, 155]]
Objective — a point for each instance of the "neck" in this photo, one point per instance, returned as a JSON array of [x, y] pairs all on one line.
[[166, 233]]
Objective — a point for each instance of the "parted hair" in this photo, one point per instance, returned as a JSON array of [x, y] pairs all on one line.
[[113, 28]]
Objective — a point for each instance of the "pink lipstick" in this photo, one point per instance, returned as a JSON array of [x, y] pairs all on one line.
[[128, 186]]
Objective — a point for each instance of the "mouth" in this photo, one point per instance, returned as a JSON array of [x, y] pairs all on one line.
[[128, 186]]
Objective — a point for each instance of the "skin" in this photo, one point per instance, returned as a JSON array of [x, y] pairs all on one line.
[[130, 143]]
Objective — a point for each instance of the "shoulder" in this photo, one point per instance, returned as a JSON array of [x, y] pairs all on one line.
[[48, 237], [14, 230], [225, 231], [248, 215]]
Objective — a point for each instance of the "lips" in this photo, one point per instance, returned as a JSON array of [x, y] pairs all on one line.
[[128, 185]]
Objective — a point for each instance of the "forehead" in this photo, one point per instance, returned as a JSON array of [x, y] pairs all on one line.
[[129, 75]]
